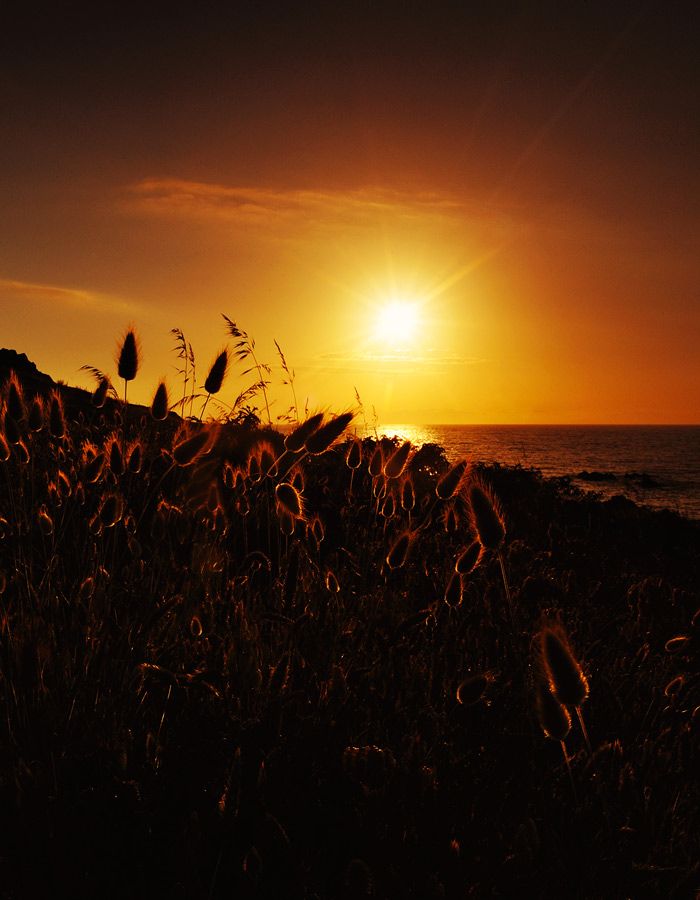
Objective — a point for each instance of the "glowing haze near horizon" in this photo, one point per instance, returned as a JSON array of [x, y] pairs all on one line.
[[522, 183]]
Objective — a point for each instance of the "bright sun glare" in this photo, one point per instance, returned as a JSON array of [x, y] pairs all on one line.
[[397, 323]]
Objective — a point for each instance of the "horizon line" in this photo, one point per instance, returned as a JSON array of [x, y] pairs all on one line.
[[542, 425]]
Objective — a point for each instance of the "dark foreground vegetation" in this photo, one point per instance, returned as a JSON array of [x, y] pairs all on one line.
[[214, 683]]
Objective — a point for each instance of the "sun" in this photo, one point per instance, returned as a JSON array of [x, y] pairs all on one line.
[[397, 323]]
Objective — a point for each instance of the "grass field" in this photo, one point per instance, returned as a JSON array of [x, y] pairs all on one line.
[[231, 669]]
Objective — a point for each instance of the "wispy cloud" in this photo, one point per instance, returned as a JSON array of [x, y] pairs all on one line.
[[75, 298], [397, 363], [268, 207]]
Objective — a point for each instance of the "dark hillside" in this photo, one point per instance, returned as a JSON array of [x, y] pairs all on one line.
[[235, 668]]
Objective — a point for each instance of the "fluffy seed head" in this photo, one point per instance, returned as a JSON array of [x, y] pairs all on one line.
[[63, 483], [295, 440], [553, 717], [45, 522], [469, 559], [12, 432], [87, 588], [111, 510], [35, 420], [192, 448], [323, 437], [289, 500], [376, 461], [450, 481], [398, 554], [57, 419], [93, 468], [486, 517], [128, 359], [678, 644], [395, 465], [318, 529], [15, 398], [408, 495], [471, 690], [254, 468], [675, 686], [354, 455], [454, 591], [332, 583], [267, 458], [100, 393], [116, 459], [159, 406], [134, 458], [565, 676], [239, 481], [389, 506], [217, 373]]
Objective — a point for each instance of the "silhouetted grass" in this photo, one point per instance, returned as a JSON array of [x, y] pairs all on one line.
[[228, 668]]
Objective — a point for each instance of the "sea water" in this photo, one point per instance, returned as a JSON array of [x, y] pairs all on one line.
[[654, 465]]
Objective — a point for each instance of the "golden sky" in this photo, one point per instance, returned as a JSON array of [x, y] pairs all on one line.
[[524, 182]]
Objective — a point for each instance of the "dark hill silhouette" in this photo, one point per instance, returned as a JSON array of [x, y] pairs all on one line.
[[34, 381], [27, 372], [233, 441]]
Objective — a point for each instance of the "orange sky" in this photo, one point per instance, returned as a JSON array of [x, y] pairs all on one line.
[[527, 179]]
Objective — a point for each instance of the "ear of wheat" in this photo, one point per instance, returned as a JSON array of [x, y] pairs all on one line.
[[57, 419], [128, 358], [190, 449], [159, 405], [289, 500], [564, 674], [323, 437], [398, 554], [486, 517], [396, 463], [295, 440], [469, 558], [449, 483], [353, 457], [15, 398]]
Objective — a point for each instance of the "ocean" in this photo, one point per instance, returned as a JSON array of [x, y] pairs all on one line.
[[654, 465]]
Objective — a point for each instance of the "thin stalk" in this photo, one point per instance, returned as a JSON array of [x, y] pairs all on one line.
[[506, 589], [126, 384], [568, 769], [201, 414], [262, 384], [583, 728], [184, 388], [194, 380]]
